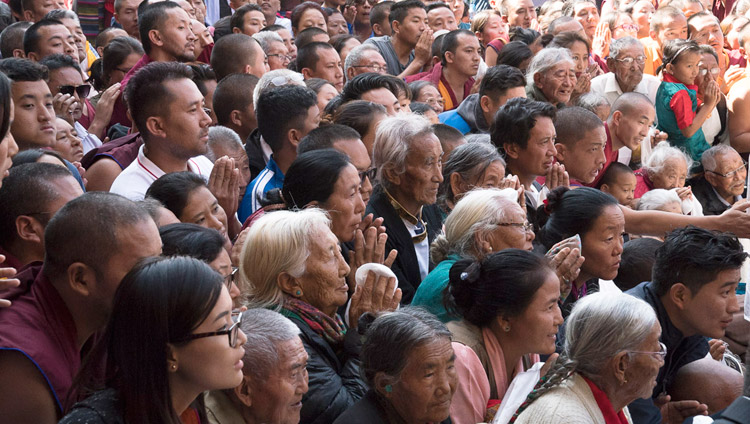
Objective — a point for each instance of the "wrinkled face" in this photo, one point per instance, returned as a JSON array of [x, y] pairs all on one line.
[[384, 97], [424, 164], [673, 29], [358, 157], [466, 58], [672, 174], [631, 126], [602, 245], [337, 25], [538, 324], [671, 207], [278, 399], [512, 236], [625, 27], [585, 158], [311, 18], [185, 123], [580, 55], [203, 209], [74, 27], [644, 367], [521, 13], [345, 205], [33, 124], [709, 311], [67, 142], [210, 363], [278, 56], [175, 37], [588, 16], [328, 67], [411, 28], [557, 83], [253, 22], [54, 39], [426, 386], [730, 185], [685, 68], [127, 16], [540, 151], [8, 149], [323, 283], [241, 162], [430, 95], [441, 18], [371, 61], [494, 29], [628, 67], [708, 67], [623, 188], [642, 13]]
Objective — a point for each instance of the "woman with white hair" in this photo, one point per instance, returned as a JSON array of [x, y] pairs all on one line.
[[611, 357], [551, 76], [292, 262], [668, 167], [659, 199], [409, 160]]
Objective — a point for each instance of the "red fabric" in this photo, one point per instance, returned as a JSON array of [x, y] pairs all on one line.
[[681, 104], [610, 155], [605, 406], [722, 7], [87, 120], [643, 184], [736, 58], [497, 44], [601, 62], [205, 56], [10, 260]]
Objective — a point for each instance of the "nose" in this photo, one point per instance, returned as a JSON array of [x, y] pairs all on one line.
[[70, 47], [558, 320], [618, 247], [45, 115], [359, 206], [733, 307], [343, 266], [242, 339], [214, 222], [205, 119], [530, 236], [12, 146], [75, 141]]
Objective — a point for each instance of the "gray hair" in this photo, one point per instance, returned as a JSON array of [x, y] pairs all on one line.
[[61, 14], [592, 100], [661, 154], [618, 45], [266, 38], [545, 60], [277, 242], [708, 160], [480, 138], [265, 330], [656, 199], [393, 140], [266, 81], [470, 161], [477, 212], [392, 337], [220, 136], [355, 55]]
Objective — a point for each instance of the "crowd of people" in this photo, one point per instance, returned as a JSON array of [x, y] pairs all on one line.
[[412, 212]]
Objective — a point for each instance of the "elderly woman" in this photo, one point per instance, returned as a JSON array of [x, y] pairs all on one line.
[[408, 362], [667, 167], [469, 166], [292, 262], [580, 49], [274, 374], [612, 356], [551, 76], [509, 307], [409, 160]]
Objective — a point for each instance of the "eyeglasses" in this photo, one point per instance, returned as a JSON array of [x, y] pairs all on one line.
[[373, 67], [629, 27], [527, 226], [629, 60], [284, 80], [370, 174], [232, 332], [229, 279], [280, 56], [662, 351], [83, 90], [733, 172], [714, 71]]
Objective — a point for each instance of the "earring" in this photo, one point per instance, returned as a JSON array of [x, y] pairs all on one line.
[[174, 367], [507, 328], [299, 293], [388, 388]]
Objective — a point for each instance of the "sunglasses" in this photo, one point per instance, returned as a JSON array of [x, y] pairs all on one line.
[[83, 90]]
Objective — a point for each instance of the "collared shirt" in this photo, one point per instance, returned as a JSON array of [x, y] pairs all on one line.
[[269, 178], [607, 86], [723, 200], [135, 180]]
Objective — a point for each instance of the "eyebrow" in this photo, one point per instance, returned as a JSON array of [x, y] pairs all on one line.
[[728, 284], [221, 315]]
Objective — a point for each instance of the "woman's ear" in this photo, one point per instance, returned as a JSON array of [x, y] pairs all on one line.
[[620, 364], [289, 285], [172, 358], [384, 385], [458, 185], [482, 242]]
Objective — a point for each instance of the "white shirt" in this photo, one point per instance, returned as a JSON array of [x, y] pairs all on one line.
[[134, 181], [88, 141], [422, 250], [607, 86]]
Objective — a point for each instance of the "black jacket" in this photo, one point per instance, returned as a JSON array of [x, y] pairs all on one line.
[[254, 153], [406, 266], [369, 411], [335, 383], [681, 351], [708, 198]]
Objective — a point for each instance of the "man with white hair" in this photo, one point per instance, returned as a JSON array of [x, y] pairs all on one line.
[[274, 48], [626, 63], [723, 182], [274, 376], [362, 59]]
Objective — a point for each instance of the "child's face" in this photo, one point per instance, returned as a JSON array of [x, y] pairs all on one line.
[[622, 189], [673, 29], [685, 68]]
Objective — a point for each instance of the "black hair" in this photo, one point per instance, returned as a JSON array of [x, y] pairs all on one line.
[[305, 37], [514, 54], [317, 84], [362, 83], [31, 37], [613, 171], [380, 12], [514, 121], [339, 41], [450, 43], [23, 70], [307, 56], [502, 284], [300, 10], [174, 189], [5, 105], [232, 53], [103, 35], [312, 177], [280, 109], [222, 28], [33, 155], [400, 10], [567, 39], [675, 49], [186, 239], [499, 79], [402, 88], [116, 52], [147, 94], [238, 18], [446, 133], [11, 38], [525, 35], [571, 212], [636, 262], [153, 16], [274, 28], [201, 74], [358, 115], [573, 122], [234, 92], [419, 108], [437, 5], [324, 137], [36, 178], [694, 257], [57, 61]]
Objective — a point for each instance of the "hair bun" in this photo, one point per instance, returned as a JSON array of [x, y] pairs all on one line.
[[555, 198]]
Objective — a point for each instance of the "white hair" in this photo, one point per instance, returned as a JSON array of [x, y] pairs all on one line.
[[657, 199], [265, 331], [224, 137], [661, 154], [617, 45], [356, 54], [708, 159], [266, 38], [545, 60], [271, 79], [393, 139]]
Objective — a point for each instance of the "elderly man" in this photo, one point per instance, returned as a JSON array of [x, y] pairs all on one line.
[[723, 182], [626, 61], [274, 378], [362, 59], [408, 157], [274, 48]]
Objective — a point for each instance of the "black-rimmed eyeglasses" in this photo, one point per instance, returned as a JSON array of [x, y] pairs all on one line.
[[232, 332]]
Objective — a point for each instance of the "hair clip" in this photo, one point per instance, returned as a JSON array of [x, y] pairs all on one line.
[[464, 276]]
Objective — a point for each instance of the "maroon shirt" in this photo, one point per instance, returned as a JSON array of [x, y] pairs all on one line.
[[120, 110]]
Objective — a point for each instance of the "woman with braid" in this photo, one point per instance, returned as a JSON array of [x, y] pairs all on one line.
[[611, 357]]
